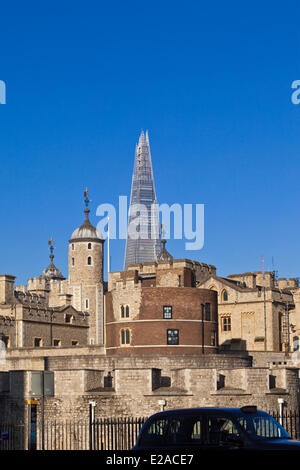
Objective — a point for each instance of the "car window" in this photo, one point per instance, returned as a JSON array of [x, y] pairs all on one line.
[[174, 431], [221, 430], [154, 433], [184, 430], [263, 426]]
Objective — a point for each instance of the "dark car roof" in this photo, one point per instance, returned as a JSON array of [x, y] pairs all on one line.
[[207, 410]]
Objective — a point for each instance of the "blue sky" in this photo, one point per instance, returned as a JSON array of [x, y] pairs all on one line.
[[212, 84]]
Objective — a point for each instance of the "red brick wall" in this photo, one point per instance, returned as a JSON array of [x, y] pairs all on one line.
[[148, 331]]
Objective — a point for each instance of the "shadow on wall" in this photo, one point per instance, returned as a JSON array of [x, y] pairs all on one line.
[[234, 344]]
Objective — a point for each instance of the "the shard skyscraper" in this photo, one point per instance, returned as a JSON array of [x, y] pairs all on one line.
[[143, 234]]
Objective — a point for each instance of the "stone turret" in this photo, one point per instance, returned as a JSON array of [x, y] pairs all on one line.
[[86, 274]]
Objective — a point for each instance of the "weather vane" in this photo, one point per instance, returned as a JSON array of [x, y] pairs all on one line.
[[51, 247], [86, 197]]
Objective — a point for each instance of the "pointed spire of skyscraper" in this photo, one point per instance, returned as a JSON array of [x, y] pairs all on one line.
[[143, 238]]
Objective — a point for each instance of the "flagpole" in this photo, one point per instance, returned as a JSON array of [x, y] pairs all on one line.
[[108, 266]]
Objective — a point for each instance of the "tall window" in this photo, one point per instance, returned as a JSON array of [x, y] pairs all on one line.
[[122, 311], [226, 323], [89, 260], [225, 296], [125, 336], [73, 261], [207, 312], [73, 246], [86, 303], [167, 311], [172, 337], [127, 311], [213, 339], [89, 246]]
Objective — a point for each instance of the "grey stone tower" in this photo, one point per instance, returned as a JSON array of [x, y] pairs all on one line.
[[86, 274]]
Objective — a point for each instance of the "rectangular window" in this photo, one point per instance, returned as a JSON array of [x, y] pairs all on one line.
[[207, 312], [37, 342], [74, 343], [5, 340], [73, 261], [173, 337], [68, 318], [226, 323], [86, 303], [167, 311], [125, 337]]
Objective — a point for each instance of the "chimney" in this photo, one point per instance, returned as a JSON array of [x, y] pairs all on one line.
[[7, 289]]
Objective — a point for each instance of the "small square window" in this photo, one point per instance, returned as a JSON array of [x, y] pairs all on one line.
[[226, 323], [167, 311], [172, 337], [5, 340], [56, 342], [37, 342]]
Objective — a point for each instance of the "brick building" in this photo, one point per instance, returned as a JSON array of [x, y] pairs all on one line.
[[155, 308]]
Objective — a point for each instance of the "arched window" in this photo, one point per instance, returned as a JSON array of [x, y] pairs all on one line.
[[225, 295], [89, 246], [89, 260], [122, 336], [127, 337], [122, 311], [73, 261], [127, 311]]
